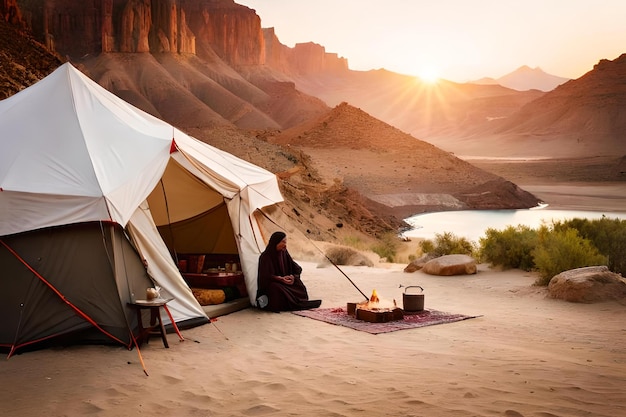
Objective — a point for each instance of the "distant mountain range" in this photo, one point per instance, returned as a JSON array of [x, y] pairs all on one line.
[[580, 118], [525, 78]]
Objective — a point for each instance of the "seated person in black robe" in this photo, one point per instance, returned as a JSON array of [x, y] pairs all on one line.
[[279, 279]]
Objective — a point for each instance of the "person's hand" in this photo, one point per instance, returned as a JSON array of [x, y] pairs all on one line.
[[288, 279]]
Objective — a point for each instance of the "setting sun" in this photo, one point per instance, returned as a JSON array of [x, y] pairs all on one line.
[[429, 75]]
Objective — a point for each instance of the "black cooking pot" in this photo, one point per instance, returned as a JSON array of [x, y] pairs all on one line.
[[413, 302]]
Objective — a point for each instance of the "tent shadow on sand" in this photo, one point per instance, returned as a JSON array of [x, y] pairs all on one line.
[[87, 183]]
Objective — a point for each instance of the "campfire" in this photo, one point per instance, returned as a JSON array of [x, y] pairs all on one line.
[[375, 310]]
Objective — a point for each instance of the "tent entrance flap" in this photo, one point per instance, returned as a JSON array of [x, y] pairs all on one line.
[[207, 233], [180, 195], [192, 217]]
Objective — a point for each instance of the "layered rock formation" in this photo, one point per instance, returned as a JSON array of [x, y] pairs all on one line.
[[303, 59], [11, 13], [180, 60], [94, 26], [23, 61], [231, 30], [208, 28]]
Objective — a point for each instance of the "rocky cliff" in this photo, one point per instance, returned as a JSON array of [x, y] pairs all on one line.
[[23, 60], [93, 26], [231, 30], [303, 59], [208, 28], [11, 13], [180, 60]]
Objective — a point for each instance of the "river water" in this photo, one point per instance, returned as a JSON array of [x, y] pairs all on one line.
[[472, 224]]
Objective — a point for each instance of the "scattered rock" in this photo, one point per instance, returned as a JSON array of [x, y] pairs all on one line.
[[588, 285], [450, 265]]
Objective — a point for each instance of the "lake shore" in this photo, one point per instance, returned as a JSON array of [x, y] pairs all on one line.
[[609, 197], [594, 184]]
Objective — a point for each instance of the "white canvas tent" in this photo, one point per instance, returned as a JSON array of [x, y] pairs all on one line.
[[74, 154]]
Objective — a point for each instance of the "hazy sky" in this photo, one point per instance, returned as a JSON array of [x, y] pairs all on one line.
[[460, 40]]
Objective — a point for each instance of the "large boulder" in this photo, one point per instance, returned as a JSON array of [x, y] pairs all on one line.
[[588, 285], [417, 264], [450, 265]]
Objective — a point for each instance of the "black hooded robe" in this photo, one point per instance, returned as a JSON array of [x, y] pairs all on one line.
[[281, 296]]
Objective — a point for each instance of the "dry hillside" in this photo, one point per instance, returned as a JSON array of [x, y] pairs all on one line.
[[23, 61], [348, 146], [582, 118]]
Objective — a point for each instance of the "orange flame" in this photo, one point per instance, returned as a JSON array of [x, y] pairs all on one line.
[[376, 304]]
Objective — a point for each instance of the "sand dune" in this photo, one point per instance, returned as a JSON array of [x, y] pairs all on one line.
[[527, 355]]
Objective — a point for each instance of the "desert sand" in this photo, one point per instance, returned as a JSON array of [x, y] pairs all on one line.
[[526, 355]]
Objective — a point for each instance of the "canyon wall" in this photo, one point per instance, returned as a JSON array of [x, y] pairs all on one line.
[[231, 30], [11, 13], [302, 59], [76, 28], [207, 28]]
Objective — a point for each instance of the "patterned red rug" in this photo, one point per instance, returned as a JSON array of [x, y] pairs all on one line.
[[340, 317]]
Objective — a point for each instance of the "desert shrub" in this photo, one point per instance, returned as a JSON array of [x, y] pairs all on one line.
[[427, 246], [343, 255], [509, 248], [608, 235], [561, 250], [387, 247], [448, 244]]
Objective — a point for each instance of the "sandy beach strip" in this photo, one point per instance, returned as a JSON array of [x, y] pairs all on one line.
[[609, 197]]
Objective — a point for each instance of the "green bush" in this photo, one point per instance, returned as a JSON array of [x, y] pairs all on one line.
[[509, 248], [448, 244], [561, 250], [550, 250], [608, 235]]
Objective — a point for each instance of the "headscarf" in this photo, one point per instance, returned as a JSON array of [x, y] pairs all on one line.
[[275, 239]]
